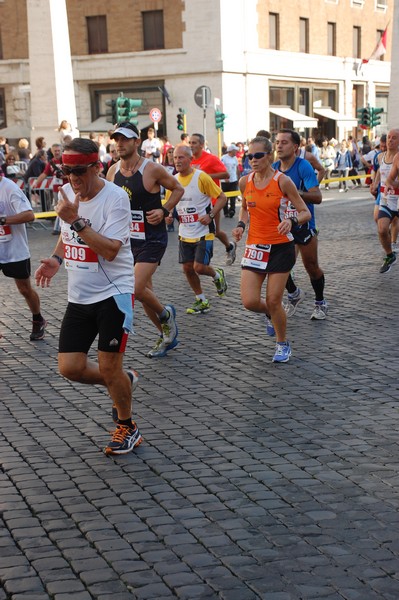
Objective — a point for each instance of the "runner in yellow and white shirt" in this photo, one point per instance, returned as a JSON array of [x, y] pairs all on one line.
[[197, 227]]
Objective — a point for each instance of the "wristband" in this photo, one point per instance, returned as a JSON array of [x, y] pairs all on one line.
[[58, 258], [241, 224], [294, 221]]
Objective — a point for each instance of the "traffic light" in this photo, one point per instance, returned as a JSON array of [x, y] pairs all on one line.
[[111, 112], [364, 118], [219, 120], [133, 113], [181, 117], [375, 116], [122, 109]]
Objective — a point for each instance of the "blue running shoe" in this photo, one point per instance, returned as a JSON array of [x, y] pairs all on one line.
[[161, 348], [282, 353], [169, 327]]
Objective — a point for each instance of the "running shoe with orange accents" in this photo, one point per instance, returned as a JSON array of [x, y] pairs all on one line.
[[124, 439]]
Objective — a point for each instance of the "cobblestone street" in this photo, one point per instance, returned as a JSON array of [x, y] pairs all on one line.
[[255, 480]]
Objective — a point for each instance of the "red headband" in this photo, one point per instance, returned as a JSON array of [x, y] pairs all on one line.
[[79, 158]]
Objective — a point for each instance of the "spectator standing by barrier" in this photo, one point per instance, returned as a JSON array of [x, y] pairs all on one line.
[[343, 163], [327, 158], [34, 170], [23, 150], [230, 161]]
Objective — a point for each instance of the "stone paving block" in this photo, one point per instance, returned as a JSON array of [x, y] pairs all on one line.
[[104, 574], [63, 586], [27, 585], [154, 591], [190, 592]]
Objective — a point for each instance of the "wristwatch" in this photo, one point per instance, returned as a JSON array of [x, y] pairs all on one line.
[[3, 220], [166, 211], [211, 214], [78, 225]]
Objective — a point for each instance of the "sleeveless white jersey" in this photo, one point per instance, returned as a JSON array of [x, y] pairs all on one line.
[[193, 205], [389, 200]]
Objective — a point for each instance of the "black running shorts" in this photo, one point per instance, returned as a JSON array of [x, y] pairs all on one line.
[[149, 252], [281, 259], [16, 270], [82, 323]]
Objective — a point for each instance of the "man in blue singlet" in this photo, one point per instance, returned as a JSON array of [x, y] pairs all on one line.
[[142, 180], [305, 236]]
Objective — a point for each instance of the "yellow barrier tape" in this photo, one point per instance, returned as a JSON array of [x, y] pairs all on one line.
[[46, 215]]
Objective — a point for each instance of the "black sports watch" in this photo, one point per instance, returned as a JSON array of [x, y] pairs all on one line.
[[78, 225], [165, 211], [3, 220]]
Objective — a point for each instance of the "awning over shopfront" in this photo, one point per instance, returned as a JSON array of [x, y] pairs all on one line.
[[341, 120], [15, 132], [299, 121]]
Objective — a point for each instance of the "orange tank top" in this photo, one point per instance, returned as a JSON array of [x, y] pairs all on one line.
[[266, 209]]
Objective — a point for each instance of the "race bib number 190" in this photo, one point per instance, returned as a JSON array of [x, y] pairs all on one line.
[[256, 256]]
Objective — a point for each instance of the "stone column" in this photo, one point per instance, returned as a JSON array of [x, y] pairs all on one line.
[[393, 105], [51, 77]]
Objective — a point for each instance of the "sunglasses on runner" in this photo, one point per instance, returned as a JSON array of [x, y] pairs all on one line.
[[257, 155], [78, 170]]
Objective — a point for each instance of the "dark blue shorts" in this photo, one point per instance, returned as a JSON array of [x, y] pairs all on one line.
[[200, 252], [303, 235], [387, 213]]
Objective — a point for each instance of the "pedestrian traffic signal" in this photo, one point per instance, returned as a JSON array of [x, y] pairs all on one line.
[[181, 120], [111, 116], [375, 116], [219, 120], [364, 118]]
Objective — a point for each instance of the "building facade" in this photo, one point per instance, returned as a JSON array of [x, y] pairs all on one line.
[[267, 63]]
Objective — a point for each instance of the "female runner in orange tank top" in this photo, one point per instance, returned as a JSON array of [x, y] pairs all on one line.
[[269, 247]]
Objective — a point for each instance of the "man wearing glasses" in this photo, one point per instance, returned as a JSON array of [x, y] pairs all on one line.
[[142, 180], [94, 243]]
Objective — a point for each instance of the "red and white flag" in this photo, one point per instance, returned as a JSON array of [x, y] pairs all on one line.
[[380, 48]]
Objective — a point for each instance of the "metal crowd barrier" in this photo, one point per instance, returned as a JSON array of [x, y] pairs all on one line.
[[44, 193]]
